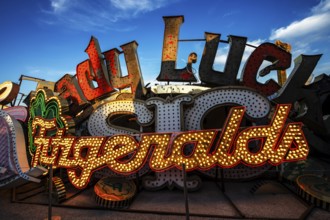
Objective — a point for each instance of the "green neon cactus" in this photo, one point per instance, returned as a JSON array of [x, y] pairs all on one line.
[[44, 104]]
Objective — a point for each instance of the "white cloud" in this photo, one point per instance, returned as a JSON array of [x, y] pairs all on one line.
[[59, 5], [137, 6], [221, 57], [302, 33], [310, 35], [324, 6], [126, 9], [98, 15], [312, 25]]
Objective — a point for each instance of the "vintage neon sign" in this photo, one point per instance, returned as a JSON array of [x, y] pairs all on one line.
[[124, 154], [105, 72], [104, 68], [177, 121], [8, 91], [14, 166]]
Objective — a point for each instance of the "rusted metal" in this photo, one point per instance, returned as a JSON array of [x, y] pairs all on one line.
[[281, 74], [168, 70], [69, 89], [228, 77], [294, 90], [281, 60], [134, 78]]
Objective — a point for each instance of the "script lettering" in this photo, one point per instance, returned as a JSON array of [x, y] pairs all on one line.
[[124, 154], [93, 70]]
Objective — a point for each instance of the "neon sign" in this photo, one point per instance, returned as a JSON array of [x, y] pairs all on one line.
[[169, 128], [124, 154]]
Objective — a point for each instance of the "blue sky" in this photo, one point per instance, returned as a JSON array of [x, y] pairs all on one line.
[[47, 38]]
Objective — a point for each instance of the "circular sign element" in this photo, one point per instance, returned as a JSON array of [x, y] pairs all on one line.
[[114, 192], [315, 190], [294, 169]]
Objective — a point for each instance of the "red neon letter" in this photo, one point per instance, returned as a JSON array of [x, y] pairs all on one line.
[[93, 70], [134, 78], [69, 89], [280, 58]]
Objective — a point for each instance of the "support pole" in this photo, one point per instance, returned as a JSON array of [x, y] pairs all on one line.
[[50, 186], [185, 190], [13, 194], [223, 189]]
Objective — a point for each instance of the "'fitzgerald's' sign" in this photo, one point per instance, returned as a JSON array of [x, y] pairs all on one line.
[[125, 155]]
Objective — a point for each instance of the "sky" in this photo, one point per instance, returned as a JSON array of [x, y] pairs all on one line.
[[47, 38]]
